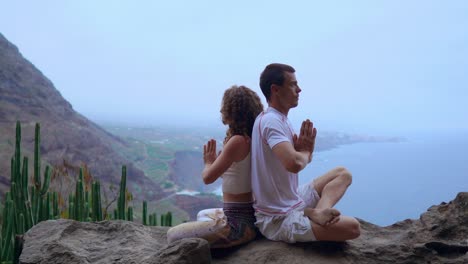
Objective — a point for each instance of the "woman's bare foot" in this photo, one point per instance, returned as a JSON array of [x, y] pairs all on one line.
[[323, 217]]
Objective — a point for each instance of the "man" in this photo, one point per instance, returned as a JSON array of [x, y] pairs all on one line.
[[284, 210]]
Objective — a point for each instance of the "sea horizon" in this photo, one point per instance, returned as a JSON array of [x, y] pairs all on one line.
[[394, 181]]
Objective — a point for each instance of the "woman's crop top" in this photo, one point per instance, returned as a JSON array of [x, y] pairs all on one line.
[[236, 179]]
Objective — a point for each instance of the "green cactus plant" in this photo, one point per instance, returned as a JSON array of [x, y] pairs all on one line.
[[98, 201], [169, 219], [163, 220], [96, 209], [79, 199], [130, 213], [55, 207], [18, 247], [145, 213], [21, 224], [27, 205], [151, 220], [87, 205], [155, 220], [71, 206], [41, 188], [85, 216], [7, 232], [37, 157], [122, 194]]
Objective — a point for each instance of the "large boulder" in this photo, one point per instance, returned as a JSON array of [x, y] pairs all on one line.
[[439, 236], [67, 241]]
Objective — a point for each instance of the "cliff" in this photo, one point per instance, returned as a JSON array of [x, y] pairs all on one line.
[[68, 139], [440, 235]]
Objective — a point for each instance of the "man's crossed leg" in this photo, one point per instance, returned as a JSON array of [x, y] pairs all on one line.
[[327, 222]]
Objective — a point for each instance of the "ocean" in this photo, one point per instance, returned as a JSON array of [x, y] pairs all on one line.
[[397, 181]]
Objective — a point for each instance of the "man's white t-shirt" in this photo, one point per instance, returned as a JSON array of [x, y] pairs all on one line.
[[275, 189]]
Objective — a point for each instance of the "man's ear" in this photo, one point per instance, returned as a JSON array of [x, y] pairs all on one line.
[[274, 88]]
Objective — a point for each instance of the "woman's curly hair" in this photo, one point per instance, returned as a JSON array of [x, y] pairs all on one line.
[[239, 108]]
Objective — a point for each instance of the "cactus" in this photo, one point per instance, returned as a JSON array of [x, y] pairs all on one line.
[[34, 197], [7, 234], [155, 220], [47, 211], [18, 247], [145, 213], [18, 215], [55, 207], [96, 208], [87, 205], [45, 186], [5, 213], [98, 201], [71, 206], [38, 193], [37, 160], [27, 205], [163, 218], [130, 214], [19, 179], [85, 213], [71, 211], [169, 219], [21, 224], [39, 205], [17, 148], [151, 219], [42, 205], [80, 212], [122, 194]]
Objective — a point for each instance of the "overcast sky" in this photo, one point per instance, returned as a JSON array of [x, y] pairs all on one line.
[[377, 66]]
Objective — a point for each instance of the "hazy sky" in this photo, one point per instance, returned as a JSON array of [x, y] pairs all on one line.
[[379, 66]]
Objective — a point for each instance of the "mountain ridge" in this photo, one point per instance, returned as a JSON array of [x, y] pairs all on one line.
[[26, 95]]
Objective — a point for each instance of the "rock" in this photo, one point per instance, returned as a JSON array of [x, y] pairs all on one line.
[[185, 251], [68, 241], [439, 236]]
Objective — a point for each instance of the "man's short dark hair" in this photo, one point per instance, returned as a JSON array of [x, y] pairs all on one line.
[[273, 74]]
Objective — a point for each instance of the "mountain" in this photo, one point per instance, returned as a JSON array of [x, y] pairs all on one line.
[[68, 139]]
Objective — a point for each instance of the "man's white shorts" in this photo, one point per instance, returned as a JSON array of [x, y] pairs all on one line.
[[294, 226]]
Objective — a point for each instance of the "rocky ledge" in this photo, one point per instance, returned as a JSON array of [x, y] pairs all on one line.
[[440, 235]]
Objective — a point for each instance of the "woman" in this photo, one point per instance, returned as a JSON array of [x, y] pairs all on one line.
[[234, 225]]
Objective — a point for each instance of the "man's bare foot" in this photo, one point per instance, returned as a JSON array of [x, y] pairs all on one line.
[[323, 217]]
